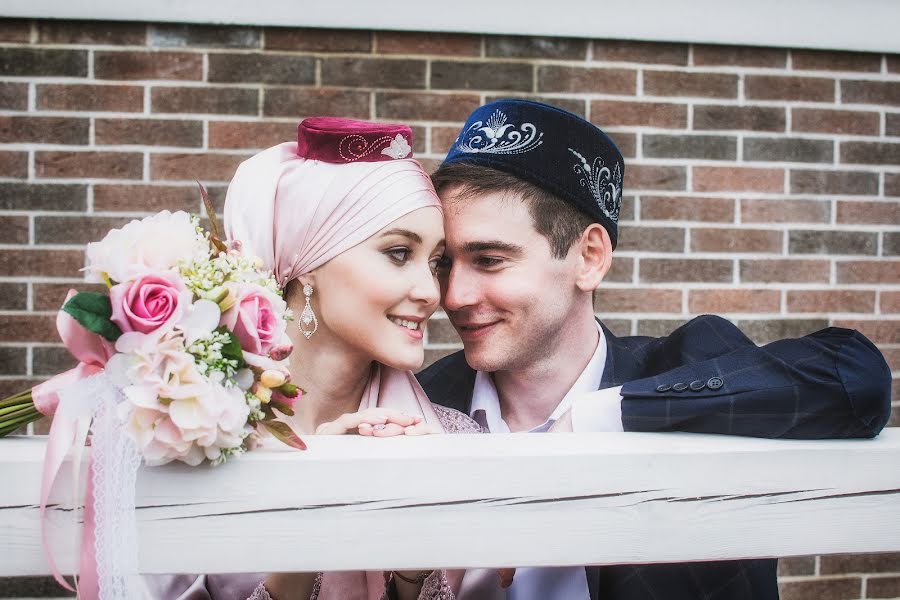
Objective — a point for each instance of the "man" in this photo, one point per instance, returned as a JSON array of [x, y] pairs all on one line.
[[531, 196]]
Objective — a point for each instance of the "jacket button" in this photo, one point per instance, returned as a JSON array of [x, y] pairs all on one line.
[[715, 383], [665, 387], [697, 385], [680, 387]]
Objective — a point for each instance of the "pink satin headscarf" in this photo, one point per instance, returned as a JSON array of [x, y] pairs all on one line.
[[296, 214]]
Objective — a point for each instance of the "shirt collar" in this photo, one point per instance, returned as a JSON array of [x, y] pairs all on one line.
[[485, 409]]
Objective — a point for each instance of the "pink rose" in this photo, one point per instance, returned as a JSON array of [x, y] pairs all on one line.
[[148, 303], [256, 319]]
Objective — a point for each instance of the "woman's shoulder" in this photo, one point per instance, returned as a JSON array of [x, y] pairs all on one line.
[[454, 421]]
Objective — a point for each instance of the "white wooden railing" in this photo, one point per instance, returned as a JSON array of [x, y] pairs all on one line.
[[499, 500]]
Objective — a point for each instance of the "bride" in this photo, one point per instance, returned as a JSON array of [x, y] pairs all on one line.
[[352, 229]]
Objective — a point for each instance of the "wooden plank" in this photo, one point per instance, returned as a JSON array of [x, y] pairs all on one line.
[[468, 501]]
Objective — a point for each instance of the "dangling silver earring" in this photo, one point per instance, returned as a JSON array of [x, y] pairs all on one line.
[[308, 317]]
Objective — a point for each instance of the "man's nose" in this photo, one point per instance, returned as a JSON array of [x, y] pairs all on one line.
[[458, 289]]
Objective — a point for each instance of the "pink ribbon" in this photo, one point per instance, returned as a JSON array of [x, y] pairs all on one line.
[[69, 429]]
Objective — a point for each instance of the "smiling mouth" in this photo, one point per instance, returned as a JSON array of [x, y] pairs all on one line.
[[406, 323]]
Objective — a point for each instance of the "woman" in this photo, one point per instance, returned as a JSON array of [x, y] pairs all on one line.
[[352, 229]]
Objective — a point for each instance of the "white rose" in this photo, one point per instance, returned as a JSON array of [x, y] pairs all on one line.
[[151, 245]]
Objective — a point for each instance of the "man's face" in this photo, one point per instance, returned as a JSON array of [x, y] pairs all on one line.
[[504, 292]]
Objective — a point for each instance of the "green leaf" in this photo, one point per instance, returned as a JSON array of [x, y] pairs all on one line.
[[232, 350], [93, 311], [284, 433]]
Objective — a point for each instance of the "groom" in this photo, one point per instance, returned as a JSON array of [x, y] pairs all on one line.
[[531, 199]]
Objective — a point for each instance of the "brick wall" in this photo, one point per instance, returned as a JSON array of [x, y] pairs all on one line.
[[762, 184]]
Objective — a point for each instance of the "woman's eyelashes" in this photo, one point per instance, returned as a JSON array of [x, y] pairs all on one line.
[[399, 255]]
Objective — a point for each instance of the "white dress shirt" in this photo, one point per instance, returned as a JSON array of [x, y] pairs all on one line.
[[593, 411]]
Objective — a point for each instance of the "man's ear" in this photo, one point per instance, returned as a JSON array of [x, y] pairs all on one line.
[[595, 250]]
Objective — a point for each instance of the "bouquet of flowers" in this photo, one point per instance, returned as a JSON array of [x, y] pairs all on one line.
[[191, 331]]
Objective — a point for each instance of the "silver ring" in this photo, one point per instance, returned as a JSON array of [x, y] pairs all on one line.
[[380, 426]]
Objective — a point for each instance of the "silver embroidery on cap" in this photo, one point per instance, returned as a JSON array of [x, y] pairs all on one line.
[[499, 137], [355, 147], [398, 149], [605, 186]]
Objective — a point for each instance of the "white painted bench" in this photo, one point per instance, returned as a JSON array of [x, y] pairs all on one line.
[[499, 500]]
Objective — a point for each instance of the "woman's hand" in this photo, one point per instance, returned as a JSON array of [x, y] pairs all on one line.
[[376, 422]]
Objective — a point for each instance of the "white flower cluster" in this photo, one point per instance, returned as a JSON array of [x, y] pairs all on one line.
[[207, 353]]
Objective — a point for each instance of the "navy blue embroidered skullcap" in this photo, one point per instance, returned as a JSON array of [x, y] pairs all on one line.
[[551, 148]]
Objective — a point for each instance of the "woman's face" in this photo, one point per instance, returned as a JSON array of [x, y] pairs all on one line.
[[376, 297]]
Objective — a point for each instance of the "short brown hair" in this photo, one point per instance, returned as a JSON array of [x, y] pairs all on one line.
[[554, 218]]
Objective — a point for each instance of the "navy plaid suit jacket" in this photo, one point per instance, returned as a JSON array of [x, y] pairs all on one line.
[[830, 384]]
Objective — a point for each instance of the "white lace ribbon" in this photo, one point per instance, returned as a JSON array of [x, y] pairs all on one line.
[[115, 462]]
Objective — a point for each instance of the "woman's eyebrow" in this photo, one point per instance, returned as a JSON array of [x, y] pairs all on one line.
[[412, 235]]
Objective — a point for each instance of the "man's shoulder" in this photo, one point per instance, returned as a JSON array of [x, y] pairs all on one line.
[[448, 381]]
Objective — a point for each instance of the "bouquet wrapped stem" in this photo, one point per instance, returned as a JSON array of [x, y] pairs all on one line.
[[16, 411]]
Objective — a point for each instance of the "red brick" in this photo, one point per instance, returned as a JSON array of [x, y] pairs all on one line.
[[650, 239], [839, 564], [820, 120], [28, 328], [846, 588], [855, 183], [14, 96], [13, 230], [43, 197], [657, 327], [680, 208], [378, 72], [51, 296], [816, 60], [737, 179], [317, 40], [558, 78], [892, 124], [13, 164], [43, 62], [640, 52], [259, 67], [736, 240], [707, 147], [734, 301], [891, 354], [300, 102], [148, 65], [180, 35], [785, 211], [205, 100], [870, 92], [796, 565], [471, 75], [858, 211], [621, 270], [883, 587], [653, 300], [15, 30], [425, 107], [891, 184], [608, 113], [440, 331], [775, 87], [893, 63], [249, 134], [868, 271], [101, 165], [840, 301], [94, 98], [87, 32], [146, 198], [418, 42], [74, 230], [545, 48], [880, 332], [44, 130], [655, 177], [832, 242], [33, 262], [703, 85], [890, 303], [685, 270], [785, 271], [742, 56], [149, 132], [780, 149], [205, 166], [870, 153], [748, 118], [625, 141]]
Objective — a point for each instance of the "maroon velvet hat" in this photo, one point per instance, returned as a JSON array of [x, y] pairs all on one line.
[[335, 140]]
